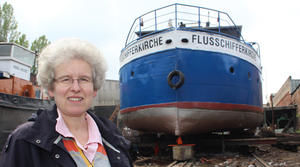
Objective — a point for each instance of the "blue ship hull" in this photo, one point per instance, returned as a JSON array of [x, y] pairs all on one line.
[[186, 81], [209, 86], [207, 79]]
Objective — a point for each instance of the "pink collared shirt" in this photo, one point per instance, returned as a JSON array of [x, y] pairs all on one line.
[[90, 148]]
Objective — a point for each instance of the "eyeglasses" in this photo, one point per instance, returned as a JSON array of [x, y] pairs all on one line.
[[68, 81]]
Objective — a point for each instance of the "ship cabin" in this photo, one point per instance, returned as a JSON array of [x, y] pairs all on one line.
[[16, 64]]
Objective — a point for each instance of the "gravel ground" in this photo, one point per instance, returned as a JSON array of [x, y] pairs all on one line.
[[271, 156]]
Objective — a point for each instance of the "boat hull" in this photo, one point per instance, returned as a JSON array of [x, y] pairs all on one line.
[[10, 118], [179, 119], [15, 110], [221, 90]]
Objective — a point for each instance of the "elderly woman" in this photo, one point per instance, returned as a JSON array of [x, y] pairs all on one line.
[[71, 70]]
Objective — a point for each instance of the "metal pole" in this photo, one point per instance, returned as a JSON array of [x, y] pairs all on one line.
[[140, 26], [219, 21], [155, 21], [199, 22], [176, 16], [273, 119]]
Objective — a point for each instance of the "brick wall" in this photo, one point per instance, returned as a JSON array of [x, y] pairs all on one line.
[[285, 89], [296, 100], [284, 101]]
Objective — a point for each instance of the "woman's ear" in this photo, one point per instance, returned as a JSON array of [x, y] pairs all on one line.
[[50, 93], [95, 93]]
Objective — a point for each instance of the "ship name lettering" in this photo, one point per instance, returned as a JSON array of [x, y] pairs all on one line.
[[223, 43], [142, 46], [19, 68]]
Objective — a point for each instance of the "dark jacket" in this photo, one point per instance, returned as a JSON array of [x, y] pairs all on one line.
[[37, 144]]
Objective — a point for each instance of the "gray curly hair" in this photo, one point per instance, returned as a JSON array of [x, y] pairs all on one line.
[[64, 50]]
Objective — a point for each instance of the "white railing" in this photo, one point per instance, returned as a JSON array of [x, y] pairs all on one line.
[[180, 16]]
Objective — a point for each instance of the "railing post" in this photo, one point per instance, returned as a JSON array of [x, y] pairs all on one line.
[[155, 21], [199, 22], [175, 16], [219, 20], [140, 26]]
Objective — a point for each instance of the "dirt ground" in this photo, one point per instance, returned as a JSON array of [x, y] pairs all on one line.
[[267, 154], [275, 156]]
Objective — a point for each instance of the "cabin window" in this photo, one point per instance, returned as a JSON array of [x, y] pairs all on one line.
[[5, 50], [23, 55]]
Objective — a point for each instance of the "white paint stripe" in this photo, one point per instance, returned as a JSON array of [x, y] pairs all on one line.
[[157, 43]]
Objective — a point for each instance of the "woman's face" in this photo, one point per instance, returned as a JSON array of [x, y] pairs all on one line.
[[73, 88]]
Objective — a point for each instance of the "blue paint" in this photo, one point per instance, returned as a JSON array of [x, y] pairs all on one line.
[[209, 77]]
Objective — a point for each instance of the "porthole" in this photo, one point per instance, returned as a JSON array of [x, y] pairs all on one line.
[[168, 41], [249, 75], [231, 70], [184, 40]]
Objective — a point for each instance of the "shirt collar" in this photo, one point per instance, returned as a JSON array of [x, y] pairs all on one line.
[[94, 133]]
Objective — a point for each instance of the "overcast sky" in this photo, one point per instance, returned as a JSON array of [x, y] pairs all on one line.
[[105, 23]]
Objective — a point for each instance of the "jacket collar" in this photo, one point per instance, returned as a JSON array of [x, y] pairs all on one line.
[[44, 135], [43, 132]]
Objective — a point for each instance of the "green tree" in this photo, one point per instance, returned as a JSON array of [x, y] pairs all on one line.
[[38, 44], [23, 41], [9, 33], [8, 24]]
